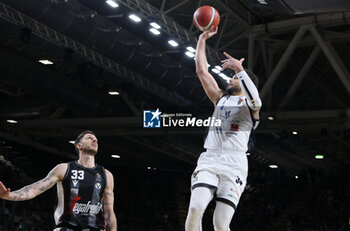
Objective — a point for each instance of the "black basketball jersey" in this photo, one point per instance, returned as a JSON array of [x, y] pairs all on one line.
[[79, 197]]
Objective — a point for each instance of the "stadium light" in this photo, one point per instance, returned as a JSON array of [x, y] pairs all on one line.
[[216, 71], [135, 18], [191, 49], [154, 31], [45, 61], [270, 118], [112, 3], [173, 43], [115, 156], [11, 121], [113, 93], [262, 2], [222, 75], [189, 54], [72, 141], [273, 166], [218, 67], [319, 157], [295, 133], [155, 25]]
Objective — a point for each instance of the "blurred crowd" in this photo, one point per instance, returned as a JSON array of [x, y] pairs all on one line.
[[150, 199]]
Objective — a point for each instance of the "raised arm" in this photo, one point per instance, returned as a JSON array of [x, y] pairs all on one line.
[[108, 201], [209, 84], [30, 191], [247, 85]]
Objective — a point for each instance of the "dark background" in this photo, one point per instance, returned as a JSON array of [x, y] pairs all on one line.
[[299, 50]]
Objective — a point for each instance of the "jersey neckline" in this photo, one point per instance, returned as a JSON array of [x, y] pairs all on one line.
[[85, 167]]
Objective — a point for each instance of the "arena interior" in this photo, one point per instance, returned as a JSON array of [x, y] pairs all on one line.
[[100, 68]]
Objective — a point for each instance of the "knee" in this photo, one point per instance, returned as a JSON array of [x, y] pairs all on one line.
[[221, 227], [194, 217], [196, 210], [222, 223]]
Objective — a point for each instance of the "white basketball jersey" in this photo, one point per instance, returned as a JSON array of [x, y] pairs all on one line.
[[236, 125]]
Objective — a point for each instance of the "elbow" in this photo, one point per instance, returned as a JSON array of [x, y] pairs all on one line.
[[200, 71], [255, 104]]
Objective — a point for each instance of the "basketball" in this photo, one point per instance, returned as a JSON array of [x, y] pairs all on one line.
[[205, 17]]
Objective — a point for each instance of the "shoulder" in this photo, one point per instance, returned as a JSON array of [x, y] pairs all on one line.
[[61, 167], [223, 94], [60, 170], [109, 176], [110, 180]]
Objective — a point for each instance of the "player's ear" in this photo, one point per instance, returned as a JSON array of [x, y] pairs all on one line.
[[78, 145]]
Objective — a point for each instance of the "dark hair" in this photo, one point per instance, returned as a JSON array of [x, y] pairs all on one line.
[[253, 77], [80, 136]]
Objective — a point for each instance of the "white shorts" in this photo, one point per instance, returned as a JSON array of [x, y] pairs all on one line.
[[225, 173]]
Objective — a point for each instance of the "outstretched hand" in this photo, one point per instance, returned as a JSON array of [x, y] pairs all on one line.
[[4, 192], [232, 63], [209, 33]]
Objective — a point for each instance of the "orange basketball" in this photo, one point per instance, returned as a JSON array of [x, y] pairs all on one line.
[[205, 17]]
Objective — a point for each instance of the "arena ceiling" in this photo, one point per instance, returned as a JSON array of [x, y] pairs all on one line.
[[299, 49]]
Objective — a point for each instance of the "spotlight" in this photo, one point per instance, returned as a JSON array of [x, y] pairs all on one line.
[[191, 49], [155, 25], [45, 62], [189, 54], [112, 3], [173, 43], [319, 157], [135, 18], [154, 31], [216, 71], [218, 67], [113, 93]]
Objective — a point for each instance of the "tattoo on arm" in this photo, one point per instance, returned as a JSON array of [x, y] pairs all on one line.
[[109, 194], [107, 217], [31, 191]]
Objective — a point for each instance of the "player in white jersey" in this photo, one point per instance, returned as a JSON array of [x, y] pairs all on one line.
[[222, 170]]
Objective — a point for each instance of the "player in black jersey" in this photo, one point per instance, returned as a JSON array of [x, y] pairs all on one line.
[[84, 190]]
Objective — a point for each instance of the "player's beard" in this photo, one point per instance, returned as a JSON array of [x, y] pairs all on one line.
[[233, 89], [89, 151]]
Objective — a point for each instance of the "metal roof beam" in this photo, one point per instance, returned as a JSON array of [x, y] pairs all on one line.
[[333, 58], [61, 40], [322, 20], [283, 61], [231, 12], [174, 29], [175, 7], [307, 66], [36, 145]]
